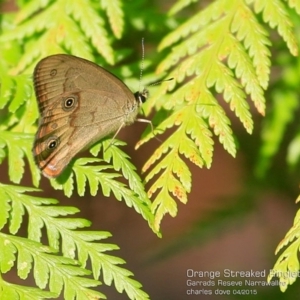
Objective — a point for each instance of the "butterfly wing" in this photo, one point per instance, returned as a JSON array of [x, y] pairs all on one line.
[[79, 103]]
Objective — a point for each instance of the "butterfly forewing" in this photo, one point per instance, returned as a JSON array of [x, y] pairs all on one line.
[[79, 103]]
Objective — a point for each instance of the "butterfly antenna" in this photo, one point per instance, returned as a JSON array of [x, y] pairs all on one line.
[[142, 64], [159, 82]]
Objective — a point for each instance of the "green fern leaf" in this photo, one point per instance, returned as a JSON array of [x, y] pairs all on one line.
[[56, 36], [92, 25], [62, 234], [109, 184], [24, 265], [67, 186], [21, 93], [221, 49], [11, 291], [19, 145], [120, 162], [275, 13], [29, 9], [17, 213], [7, 254], [5, 205], [14, 91], [115, 15], [93, 175], [179, 5], [287, 265], [254, 37], [294, 4], [15, 142], [6, 90]]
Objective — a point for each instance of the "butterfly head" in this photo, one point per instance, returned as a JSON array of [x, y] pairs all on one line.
[[141, 97]]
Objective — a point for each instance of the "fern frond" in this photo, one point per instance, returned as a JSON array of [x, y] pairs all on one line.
[[19, 145], [15, 91], [16, 95], [30, 9], [116, 16], [14, 291], [7, 86], [222, 49], [61, 32], [121, 162], [93, 175], [179, 5], [57, 272], [294, 4], [62, 234], [195, 144], [255, 39], [287, 266], [276, 15], [276, 126], [92, 25]]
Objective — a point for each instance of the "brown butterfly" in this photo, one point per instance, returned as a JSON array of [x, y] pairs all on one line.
[[79, 103]]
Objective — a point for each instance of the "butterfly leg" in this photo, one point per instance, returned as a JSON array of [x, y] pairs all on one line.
[[152, 128]]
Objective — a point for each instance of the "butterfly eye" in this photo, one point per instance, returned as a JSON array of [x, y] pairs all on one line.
[[52, 143], [141, 97], [69, 103]]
